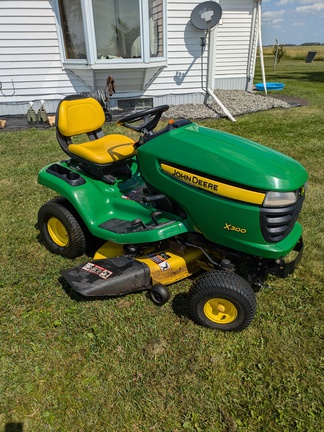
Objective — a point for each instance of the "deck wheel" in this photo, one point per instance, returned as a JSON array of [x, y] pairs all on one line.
[[159, 294]]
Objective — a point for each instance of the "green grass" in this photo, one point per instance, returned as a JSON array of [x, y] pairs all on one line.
[[70, 364]]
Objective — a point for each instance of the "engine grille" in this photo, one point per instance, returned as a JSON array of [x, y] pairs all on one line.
[[277, 223]]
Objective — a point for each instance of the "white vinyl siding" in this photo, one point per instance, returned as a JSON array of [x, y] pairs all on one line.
[[236, 45], [31, 65], [187, 61], [30, 62], [233, 39]]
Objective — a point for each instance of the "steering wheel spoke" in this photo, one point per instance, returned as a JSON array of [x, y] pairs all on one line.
[[150, 117]]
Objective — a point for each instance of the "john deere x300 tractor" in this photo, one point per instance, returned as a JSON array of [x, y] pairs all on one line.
[[183, 200]]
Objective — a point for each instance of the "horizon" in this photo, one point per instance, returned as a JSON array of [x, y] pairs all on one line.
[[292, 22], [290, 44]]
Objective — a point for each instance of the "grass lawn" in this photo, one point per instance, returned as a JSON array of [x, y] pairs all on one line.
[[69, 364]]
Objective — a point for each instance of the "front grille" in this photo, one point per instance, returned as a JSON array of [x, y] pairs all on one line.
[[277, 223]]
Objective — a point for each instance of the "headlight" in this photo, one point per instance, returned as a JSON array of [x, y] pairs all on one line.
[[304, 189], [279, 199]]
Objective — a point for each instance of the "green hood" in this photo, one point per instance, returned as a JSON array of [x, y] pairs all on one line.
[[226, 156]]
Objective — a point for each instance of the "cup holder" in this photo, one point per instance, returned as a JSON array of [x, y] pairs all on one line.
[[72, 176]]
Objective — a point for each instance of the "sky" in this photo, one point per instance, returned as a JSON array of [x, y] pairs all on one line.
[[292, 21]]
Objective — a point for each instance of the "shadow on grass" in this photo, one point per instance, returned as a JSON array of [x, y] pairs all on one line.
[[179, 305], [13, 427], [310, 76]]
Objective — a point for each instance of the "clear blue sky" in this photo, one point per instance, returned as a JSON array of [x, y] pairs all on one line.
[[292, 21]]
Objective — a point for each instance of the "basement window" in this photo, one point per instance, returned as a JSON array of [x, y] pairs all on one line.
[[135, 104], [108, 32]]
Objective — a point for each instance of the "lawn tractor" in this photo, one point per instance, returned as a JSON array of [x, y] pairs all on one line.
[[183, 201]]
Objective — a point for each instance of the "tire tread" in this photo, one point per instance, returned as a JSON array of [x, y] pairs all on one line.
[[225, 285], [56, 207]]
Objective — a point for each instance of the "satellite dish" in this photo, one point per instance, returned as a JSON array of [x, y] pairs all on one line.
[[206, 15]]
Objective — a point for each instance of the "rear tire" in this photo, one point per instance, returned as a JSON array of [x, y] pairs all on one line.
[[222, 300], [61, 232]]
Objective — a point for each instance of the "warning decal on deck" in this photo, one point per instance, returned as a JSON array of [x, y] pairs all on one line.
[[95, 269], [160, 260]]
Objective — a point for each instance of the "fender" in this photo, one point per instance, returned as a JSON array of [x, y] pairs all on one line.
[[108, 211]]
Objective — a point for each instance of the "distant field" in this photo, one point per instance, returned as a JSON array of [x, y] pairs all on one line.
[[298, 52]]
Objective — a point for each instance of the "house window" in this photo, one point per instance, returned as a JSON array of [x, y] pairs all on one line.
[[73, 29], [156, 28], [115, 29]]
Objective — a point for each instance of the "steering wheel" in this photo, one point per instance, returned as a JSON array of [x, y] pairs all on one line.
[[150, 116]]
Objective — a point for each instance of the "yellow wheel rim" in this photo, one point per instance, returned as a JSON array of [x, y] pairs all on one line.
[[220, 311], [57, 232]]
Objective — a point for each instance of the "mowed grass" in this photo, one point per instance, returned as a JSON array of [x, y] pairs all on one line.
[[70, 364]]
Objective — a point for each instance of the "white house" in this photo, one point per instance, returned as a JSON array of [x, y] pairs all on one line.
[[52, 48]]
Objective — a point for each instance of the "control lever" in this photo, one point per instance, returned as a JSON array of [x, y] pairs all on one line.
[[151, 198], [138, 222], [154, 216]]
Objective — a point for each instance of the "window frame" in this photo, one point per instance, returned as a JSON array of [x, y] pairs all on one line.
[[91, 60]]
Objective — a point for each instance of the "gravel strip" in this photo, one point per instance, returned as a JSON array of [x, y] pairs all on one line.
[[237, 102]]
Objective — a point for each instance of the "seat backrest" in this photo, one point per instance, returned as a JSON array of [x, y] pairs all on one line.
[[79, 115]]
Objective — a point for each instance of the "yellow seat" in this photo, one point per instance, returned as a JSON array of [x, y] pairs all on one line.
[[77, 115], [105, 150]]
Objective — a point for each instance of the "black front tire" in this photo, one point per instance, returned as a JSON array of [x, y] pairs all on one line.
[[222, 300], [61, 232]]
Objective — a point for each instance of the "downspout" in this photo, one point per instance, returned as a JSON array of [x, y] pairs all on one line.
[[261, 48], [211, 71], [212, 94], [252, 48]]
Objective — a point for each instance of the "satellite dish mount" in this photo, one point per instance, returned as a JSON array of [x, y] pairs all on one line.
[[205, 16]]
